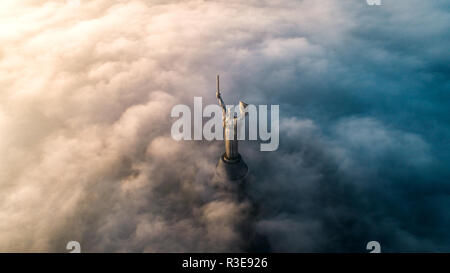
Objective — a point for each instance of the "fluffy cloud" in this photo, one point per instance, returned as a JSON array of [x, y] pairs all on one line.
[[87, 88]]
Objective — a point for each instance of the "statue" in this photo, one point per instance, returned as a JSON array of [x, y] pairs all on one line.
[[231, 165], [230, 121], [232, 175]]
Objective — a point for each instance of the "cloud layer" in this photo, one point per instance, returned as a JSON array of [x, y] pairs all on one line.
[[87, 89]]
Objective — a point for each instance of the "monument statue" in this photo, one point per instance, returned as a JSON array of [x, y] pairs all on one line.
[[234, 168]]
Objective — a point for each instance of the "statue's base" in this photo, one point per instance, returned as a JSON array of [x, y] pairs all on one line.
[[233, 170]]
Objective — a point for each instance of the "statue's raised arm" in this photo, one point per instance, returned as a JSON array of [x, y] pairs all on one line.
[[221, 103]]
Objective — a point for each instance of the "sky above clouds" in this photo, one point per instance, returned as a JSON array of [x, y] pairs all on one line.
[[85, 99]]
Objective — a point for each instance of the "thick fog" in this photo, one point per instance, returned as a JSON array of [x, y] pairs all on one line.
[[86, 90]]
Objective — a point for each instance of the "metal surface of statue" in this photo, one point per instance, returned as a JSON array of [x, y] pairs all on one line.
[[231, 166]]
